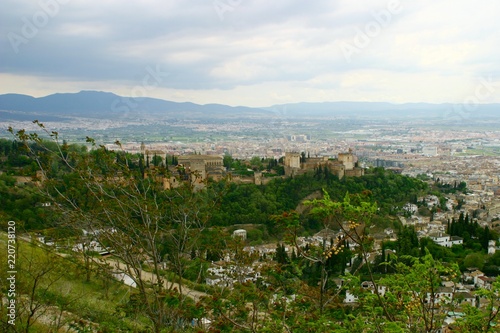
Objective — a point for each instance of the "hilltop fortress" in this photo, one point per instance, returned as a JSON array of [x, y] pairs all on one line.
[[344, 166], [199, 168]]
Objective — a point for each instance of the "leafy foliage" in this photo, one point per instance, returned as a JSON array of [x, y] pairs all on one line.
[[154, 231]]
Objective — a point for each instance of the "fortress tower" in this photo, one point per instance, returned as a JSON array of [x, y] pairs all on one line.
[[347, 159], [344, 165], [292, 163]]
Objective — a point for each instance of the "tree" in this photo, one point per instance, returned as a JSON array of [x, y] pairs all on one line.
[[350, 215], [481, 320], [476, 260], [227, 161], [130, 213], [157, 160], [412, 301], [256, 163], [37, 272], [407, 243], [281, 257], [188, 212]]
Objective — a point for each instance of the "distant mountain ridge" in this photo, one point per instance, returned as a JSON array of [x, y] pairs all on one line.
[[103, 104], [106, 105], [385, 109]]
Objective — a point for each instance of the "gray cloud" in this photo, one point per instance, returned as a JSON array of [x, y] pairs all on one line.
[[224, 44]]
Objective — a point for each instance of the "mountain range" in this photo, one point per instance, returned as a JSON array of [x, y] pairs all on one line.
[[106, 105]]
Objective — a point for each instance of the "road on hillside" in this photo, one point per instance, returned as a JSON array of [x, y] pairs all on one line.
[[150, 277]]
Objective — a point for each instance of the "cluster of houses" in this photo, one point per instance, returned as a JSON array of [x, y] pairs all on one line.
[[450, 294], [87, 243], [223, 274], [435, 228], [226, 273]]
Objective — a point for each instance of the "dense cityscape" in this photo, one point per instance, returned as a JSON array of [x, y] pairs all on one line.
[[458, 166], [224, 166]]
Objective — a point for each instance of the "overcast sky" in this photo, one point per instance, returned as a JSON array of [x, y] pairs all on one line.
[[254, 52]]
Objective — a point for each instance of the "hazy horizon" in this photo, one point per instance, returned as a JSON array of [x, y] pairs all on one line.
[[256, 107]]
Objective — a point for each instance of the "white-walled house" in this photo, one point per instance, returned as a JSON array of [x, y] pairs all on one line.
[[446, 240], [492, 247], [442, 295], [463, 297], [92, 246], [350, 298], [242, 233], [471, 277], [367, 285], [411, 208], [484, 282]]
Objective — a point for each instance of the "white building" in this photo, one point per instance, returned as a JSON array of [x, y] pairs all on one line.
[[367, 285], [446, 240], [465, 298], [412, 208], [240, 233], [444, 295], [92, 246], [429, 151], [492, 247]]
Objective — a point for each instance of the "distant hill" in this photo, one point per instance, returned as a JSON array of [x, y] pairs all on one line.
[[105, 105], [389, 110]]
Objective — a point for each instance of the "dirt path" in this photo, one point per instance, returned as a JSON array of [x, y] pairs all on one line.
[[150, 277]]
